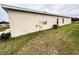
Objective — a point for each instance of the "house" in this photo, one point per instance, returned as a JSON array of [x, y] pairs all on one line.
[[24, 21]]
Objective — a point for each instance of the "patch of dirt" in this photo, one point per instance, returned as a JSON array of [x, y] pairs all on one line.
[[42, 45]]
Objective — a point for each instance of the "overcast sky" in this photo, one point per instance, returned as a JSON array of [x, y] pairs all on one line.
[[61, 9]]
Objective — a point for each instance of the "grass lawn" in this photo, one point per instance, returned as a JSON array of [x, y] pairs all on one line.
[[64, 40], [3, 28]]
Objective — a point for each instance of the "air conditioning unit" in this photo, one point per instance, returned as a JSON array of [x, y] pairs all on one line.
[[55, 26]]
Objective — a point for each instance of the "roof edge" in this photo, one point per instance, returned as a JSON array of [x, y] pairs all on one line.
[[30, 10]]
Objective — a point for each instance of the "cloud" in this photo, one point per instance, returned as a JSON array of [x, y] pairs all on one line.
[[61, 9], [3, 15]]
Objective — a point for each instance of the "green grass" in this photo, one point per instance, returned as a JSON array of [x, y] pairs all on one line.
[[64, 40], [70, 44], [3, 28]]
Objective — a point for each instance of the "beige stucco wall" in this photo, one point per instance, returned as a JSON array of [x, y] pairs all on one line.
[[24, 22]]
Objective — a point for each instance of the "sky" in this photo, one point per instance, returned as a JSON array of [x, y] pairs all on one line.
[[71, 10]]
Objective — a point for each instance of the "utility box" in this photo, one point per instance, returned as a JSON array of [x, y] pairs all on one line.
[[55, 26]]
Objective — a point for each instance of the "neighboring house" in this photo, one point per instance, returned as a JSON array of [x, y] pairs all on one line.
[[24, 21]]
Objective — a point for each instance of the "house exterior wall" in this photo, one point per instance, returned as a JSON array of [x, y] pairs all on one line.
[[66, 21], [25, 22]]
